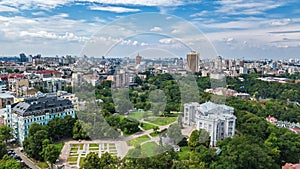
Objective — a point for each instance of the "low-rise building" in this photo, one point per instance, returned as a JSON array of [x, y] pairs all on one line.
[[217, 119], [38, 109]]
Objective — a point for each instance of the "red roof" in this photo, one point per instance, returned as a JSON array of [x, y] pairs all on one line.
[[296, 130], [14, 75]]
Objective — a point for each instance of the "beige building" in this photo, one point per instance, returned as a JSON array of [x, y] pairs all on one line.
[[193, 61]]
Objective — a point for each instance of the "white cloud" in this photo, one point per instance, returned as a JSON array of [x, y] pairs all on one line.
[[156, 29], [32, 4], [114, 9], [4, 8], [142, 2], [50, 4], [254, 7], [167, 41], [202, 13], [282, 22], [48, 35]]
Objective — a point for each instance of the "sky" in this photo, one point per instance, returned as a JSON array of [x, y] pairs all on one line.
[[249, 29]]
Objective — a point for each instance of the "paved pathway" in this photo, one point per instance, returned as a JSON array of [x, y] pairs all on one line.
[[27, 161]]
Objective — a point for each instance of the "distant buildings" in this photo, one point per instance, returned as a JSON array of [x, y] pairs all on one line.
[[218, 120], [227, 92], [6, 99], [193, 61], [138, 59], [38, 109]]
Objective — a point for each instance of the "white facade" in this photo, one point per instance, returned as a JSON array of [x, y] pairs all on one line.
[[218, 120]]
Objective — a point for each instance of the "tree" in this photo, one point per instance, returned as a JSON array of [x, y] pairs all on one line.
[[33, 145], [174, 133], [68, 124], [92, 161], [5, 133], [78, 131], [197, 138], [51, 153], [3, 150], [9, 163], [108, 161]]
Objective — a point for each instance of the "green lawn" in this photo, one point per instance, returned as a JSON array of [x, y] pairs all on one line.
[[42, 165], [94, 145], [184, 153], [154, 134], [81, 161], [148, 149], [59, 146], [147, 126], [162, 121], [139, 115], [138, 141], [72, 159]]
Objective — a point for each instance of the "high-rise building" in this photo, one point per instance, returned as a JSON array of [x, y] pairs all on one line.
[[23, 57], [193, 61], [138, 59], [218, 64]]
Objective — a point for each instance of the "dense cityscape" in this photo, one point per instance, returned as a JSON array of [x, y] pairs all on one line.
[[47, 120]]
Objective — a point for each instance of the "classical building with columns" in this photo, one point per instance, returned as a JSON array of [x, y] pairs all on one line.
[[217, 119]]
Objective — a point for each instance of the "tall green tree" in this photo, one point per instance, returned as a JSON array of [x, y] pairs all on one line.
[[51, 153], [9, 163], [78, 131], [92, 161], [108, 161], [3, 149], [6, 133]]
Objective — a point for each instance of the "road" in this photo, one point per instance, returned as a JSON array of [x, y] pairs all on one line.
[[27, 161]]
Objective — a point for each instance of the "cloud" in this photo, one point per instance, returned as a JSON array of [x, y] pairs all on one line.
[[245, 7], [34, 4], [142, 2], [156, 29], [48, 35], [114, 9], [202, 13], [50, 4], [282, 22], [4, 8], [167, 41]]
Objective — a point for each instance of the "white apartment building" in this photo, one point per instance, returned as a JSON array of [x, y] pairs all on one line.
[[217, 119]]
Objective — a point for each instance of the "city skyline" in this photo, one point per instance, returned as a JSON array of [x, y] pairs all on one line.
[[237, 29]]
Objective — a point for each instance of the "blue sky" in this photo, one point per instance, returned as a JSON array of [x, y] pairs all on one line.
[[235, 28]]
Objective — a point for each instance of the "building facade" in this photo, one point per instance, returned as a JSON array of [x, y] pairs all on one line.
[[193, 61], [218, 120], [38, 109]]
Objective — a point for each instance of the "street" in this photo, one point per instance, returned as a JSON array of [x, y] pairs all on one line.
[[27, 161]]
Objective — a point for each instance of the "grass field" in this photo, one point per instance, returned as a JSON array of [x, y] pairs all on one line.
[[147, 126], [184, 153], [162, 121], [81, 161], [94, 145], [138, 141], [154, 134], [42, 165], [72, 159], [139, 115], [149, 148]]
